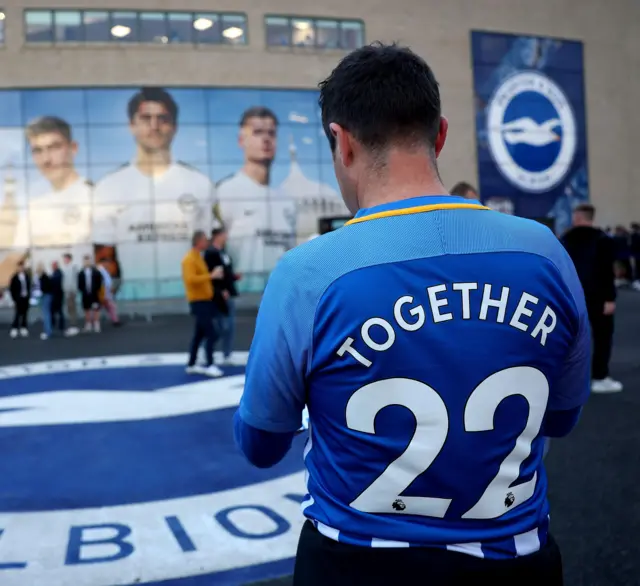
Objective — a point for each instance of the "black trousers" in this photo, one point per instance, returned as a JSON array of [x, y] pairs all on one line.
[[323, 562], [204, 328], [20, 313], [602, 334]]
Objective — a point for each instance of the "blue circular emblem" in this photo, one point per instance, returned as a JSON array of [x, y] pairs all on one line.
[[532, 132]]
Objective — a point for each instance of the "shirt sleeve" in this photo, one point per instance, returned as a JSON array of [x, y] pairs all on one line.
[[572, 386], [275, 388]]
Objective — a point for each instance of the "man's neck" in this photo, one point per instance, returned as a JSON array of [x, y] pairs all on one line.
[[153, 163], [259, 172], [404, 176], [69, 179]]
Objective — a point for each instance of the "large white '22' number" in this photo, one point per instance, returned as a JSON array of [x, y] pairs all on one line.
[[432, 428]]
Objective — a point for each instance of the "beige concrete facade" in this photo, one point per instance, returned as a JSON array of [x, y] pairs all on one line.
[[437, 29]]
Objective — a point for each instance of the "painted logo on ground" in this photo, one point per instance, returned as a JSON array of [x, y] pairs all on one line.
[[123, 470]]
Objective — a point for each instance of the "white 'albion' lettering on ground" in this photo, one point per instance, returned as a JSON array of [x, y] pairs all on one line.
[[153, 541], [442, 301]]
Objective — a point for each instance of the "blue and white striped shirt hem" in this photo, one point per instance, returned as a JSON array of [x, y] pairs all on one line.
[[508, 548]]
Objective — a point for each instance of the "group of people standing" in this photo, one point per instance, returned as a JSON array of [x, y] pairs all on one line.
[[209, 283], [56, 293]]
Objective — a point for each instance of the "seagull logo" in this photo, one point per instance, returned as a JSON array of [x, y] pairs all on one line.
[[110, 406], [527, 131], [531, 132]]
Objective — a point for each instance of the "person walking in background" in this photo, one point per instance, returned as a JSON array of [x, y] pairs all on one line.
[[70, 290], [593, 254], [89, 285], [20, 290], [464, 189], [107, 298], [46, 298], [197, 279], [57, 298], [225, 291]]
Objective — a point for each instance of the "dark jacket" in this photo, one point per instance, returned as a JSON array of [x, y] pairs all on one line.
[[213, 259], [46, 285], [56, 289], [593, 254], [96, 282], [15, 287]]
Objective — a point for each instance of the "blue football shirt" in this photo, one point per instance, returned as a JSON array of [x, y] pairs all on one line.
[[430, 339]]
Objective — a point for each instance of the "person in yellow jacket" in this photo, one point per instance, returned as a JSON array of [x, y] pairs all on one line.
[[199, 291]]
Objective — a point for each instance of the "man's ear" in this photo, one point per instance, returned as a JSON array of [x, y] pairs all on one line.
[[344, 144], [442, 135]]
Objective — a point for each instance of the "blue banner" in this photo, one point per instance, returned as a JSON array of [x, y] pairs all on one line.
[[530, 125]]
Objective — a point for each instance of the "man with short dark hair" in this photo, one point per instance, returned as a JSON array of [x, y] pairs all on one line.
[[89, 285], [593, 254], [425, 459], [260, 219], [464, 189], [224, 291], [20, 291], [199, 292], [150, 207]]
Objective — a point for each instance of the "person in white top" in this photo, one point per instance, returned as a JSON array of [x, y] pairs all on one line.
[[148, 209], [260, 219], [58, 217]]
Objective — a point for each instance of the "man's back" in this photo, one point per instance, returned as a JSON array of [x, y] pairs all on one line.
[[434, 344]]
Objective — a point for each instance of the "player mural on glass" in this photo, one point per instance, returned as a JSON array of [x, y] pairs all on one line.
[[147, 209], [58, 214], [260, 219]]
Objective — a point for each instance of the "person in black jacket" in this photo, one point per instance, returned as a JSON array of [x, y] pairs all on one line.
[[90, 285], [593, 255], [46, 288], [224, 291], [57, 298], [635, 254], [20, 290]]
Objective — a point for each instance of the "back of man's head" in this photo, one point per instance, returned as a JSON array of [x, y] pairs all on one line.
[[584, 215], [379, 98]]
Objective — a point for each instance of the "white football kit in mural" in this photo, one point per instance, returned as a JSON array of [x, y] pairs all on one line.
[[56, 222], [261, 223], [151, 219]]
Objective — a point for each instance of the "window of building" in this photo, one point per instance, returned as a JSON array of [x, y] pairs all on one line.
[[234, 29], [303, 32], [278, 31], [328, 34], [322, 33], [180, 27], [153, 27], [351, 34], [68, 26], [124, 26], [38, 26], [127, 26], [207, 28], [1, 26], [97, 28]]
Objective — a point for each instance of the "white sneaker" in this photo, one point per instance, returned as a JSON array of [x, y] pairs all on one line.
[[24, 332], [195, 369], [96, 327], [88, 327], [606, 385], [232, 360], [212, 371], [636, 285], [44, 336], [13, 333], [71, 332]]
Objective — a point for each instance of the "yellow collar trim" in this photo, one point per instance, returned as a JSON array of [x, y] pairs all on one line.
[[418, 210]]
